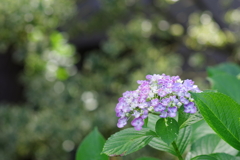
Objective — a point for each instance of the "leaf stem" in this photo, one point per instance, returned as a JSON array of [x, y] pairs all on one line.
[[177, 151]]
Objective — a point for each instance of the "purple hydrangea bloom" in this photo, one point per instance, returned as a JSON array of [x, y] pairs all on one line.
[[145, 114], [159, 94], [149, 77], [154, 102], [190, 108], [122, 122], [159, 108], [184, 100], [162, 93], [172, 111], [137, 123], [165, 101], [163, 114]]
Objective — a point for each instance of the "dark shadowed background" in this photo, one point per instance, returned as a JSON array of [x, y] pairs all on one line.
[[65, 63]]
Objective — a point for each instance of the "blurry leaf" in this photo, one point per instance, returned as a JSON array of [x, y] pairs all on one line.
[[167, 129], [216, 156], [56, 39], [210, 143], [238, 155], [227, 84], [62, 73], [127, 141], [222, 114], [91, 147], [228, 68]]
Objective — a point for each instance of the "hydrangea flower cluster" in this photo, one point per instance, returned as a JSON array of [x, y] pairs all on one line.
[[160, 94]]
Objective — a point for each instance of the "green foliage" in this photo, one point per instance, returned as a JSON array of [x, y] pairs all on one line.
[[227, 68], [222, 114], [186, 119], [215, 156], [91, 147], [226, 84], [182, 140], [201, 32], [50, 133], [210, 143], [66, 98], [63, 105], [215, 108], [127, 141], [19, 18], [200, 129], [13, 121], [152, 120], [167, 129]]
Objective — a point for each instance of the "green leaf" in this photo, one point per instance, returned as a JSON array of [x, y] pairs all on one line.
[[204, 157], [147, 158], [238, 155], [91, 147], [145, 123], [152, 120], [182, 141], [211, 143], [224, 156], [227, 68], [186, 119], [200, 129], [167, 129], [127, 141], [222, 114], [227, 84], [216, 156]]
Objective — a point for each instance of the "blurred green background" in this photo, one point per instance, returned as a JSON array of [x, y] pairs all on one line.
[[65, 63]]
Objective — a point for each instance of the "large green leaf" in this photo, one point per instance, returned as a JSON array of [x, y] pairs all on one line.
[[227, 84], [127, 141], [228, 68], [91, 147], [186, 119], [167, 129], [211, 143], [216, 156], [222, 114]]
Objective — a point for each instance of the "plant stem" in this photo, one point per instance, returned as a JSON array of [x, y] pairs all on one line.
[[177, 151]]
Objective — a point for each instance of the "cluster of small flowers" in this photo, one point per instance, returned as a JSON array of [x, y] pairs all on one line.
[[161, 94]]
